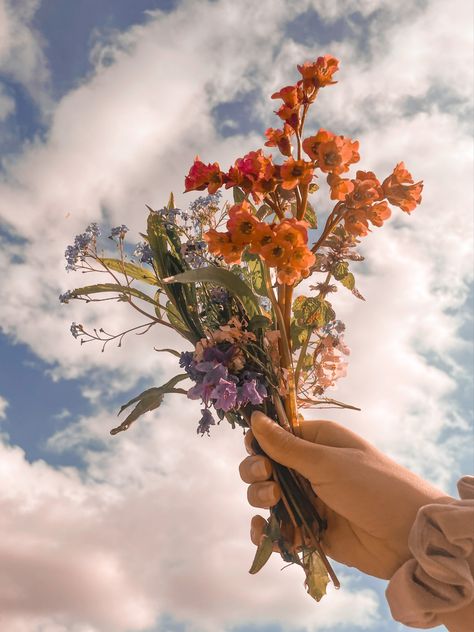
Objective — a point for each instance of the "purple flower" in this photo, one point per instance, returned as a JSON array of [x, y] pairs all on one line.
[[143, 253], [204, 389], [252, 392], [66, 297], [225, 395], [206, 421]]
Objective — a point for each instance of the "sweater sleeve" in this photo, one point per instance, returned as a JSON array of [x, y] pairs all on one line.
[[436, 585]]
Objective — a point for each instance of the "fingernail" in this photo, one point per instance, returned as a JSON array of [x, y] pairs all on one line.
[[265, 493], [258, 469]]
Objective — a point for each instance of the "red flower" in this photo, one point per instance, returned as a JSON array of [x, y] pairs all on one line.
[[294, 172], [319, 73], [396, 191], [280, 138], [201, 176], [253, 173], [333, 153]]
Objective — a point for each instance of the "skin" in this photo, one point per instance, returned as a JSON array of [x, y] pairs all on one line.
[[369, 501]]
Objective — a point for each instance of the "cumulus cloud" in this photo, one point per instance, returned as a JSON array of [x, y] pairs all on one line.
[[3, 407], [130, 522]]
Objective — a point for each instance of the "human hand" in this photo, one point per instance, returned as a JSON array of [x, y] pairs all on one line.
[[369, 501]]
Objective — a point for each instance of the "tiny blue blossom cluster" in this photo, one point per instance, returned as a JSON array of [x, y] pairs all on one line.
[[118, 231], [219, 384], [143, 253], [81, 244]]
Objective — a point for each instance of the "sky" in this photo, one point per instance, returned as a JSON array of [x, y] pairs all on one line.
[[103, 106]]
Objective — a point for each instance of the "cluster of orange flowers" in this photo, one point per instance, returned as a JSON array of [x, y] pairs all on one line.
[[360, 200], [364, 199], [282, 246]]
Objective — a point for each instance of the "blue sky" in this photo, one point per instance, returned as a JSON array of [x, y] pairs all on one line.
[[102, 108]]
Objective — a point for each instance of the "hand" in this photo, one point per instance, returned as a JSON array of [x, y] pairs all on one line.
[[369, 501]]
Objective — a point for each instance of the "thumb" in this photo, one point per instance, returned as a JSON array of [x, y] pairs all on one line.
[[285, 448]]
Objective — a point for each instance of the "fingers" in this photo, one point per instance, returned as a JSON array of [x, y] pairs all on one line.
[[257, 527], [263, 495], [284, 447], [331, 434], [255, 468]]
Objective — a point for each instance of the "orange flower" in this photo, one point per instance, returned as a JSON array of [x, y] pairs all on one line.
[[292, 231], [294, 172], [241, 224], [221, 244], [291, 96], [340, 187], [201, 176], [280, 138], [302, 258], [333, 153], [366, 190], [378, 213], [262, 236], [396, 191], [319, 73], [288, 275], [276, 254], [355, 222]]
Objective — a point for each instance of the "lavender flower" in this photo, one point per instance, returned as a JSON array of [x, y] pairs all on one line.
[[251, 392], [225, 395], [219, 295], [206, 421]]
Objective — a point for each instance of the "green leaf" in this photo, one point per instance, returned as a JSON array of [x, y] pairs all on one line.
[[313, 187], [224, 278], [310, 216], [348, 281], [340, 270], [298, 335], [262, 555], [317, 577], [263, 211], [130, 270], [255, 267], [123, 290], [238, 194], [170, 204], [312, 311], [148, 400]]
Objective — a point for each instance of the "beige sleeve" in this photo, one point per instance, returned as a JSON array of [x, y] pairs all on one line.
[[436, 586]]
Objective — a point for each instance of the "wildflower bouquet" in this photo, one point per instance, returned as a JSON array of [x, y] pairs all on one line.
[[225, 275]]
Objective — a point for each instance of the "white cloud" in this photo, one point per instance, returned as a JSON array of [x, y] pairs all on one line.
[[3, 407], [130, 522], [21, 50]]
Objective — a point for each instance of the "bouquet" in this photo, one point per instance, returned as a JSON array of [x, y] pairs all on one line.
[[234, 280]]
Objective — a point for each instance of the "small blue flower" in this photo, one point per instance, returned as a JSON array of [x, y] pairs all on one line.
[[118, 231], [65, 298], [143, 252], [76, 330]]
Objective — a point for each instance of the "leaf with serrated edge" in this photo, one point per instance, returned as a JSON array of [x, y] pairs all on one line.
[[317, 577]]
